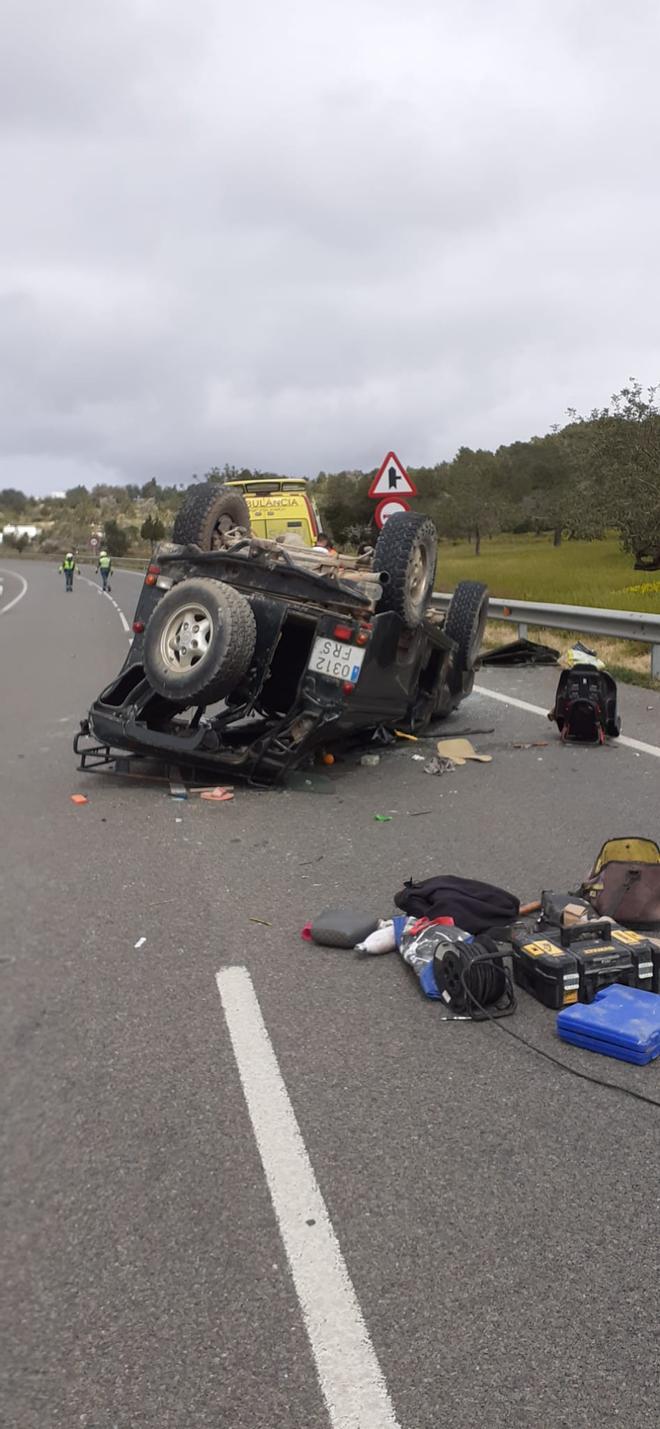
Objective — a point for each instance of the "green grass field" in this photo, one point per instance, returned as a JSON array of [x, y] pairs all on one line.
[[530, 568], [595, 573]]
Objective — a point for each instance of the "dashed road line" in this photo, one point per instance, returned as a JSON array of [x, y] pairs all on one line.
[[21, 593], [638, 745], [107, 595], [350, 1376]]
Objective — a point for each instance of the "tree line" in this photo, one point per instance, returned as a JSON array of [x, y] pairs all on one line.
[[594, 474], [597, 473]]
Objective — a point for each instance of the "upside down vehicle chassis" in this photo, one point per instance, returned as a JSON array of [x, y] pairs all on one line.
[[249, 655]]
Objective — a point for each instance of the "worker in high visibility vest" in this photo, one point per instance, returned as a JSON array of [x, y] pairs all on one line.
[[105, 567], [68, 566]]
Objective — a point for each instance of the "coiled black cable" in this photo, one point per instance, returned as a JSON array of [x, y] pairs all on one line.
[[461, 967], [472, 979]]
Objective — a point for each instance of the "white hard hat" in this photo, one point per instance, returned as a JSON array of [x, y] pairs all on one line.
[[69, 555], [104, 553]]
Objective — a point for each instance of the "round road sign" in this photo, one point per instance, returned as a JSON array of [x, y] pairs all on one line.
[[390, 506], [93, 542]]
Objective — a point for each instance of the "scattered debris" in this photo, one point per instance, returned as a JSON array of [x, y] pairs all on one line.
[[178, 790], [439, 766], [534, 744], [381, 735], [460, 750], [79, 799], [300, 782], [328, 759], [465, 733], [400, 734], [342, 927], [211, 789], [417, 813], [218, 796], [580, 654], [263, 921], [418, 757], [370, 761], [383, 818], [140, 942], [382, 940], [521, 652]]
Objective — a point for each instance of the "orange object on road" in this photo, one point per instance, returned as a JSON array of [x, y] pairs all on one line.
[[218, 795], [79, 799]]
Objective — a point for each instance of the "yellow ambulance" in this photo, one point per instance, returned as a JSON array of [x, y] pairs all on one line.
[[280, 504]]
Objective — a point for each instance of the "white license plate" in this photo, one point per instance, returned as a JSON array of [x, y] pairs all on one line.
[[338, 662]]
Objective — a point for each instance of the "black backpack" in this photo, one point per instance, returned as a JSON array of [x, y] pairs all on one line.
[[585, 705]]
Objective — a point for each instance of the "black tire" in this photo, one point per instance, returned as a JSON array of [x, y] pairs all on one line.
[[465, 624], [206, 513], [406, 552], [220, 620]]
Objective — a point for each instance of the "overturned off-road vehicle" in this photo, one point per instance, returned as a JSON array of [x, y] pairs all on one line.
[[248, 655]]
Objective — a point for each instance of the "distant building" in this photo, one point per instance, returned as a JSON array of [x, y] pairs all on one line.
[[29, 531], [57, 495]]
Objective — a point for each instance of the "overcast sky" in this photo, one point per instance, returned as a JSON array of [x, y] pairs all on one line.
[[291, 234]]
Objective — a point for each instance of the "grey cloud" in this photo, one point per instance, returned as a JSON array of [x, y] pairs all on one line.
[[292, 236]]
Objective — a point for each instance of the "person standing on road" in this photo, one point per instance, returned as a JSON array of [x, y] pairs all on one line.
[[69, 566], [105, 567]]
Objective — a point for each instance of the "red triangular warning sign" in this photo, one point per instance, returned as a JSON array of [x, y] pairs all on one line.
[[392, 479]]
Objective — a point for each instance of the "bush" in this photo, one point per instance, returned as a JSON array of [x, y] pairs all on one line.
[[116, 539], [152, 529]]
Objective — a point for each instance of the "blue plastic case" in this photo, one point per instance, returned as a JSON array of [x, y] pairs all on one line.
[[621, 1022]]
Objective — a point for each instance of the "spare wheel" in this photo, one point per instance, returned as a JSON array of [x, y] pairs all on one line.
[[207, 513], [199, 642]]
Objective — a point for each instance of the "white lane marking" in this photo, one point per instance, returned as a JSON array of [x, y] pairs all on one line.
[[20, 595], [350, 1376], [636, 744], [107, 595]]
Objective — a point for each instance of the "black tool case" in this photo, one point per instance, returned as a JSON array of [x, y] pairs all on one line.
[[564, 965]]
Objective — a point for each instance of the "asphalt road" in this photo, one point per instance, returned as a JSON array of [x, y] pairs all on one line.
[[498, 1218]]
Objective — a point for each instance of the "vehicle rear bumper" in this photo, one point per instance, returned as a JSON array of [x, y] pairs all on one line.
[[264, 759]]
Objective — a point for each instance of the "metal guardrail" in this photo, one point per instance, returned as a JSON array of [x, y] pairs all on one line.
[[616, 624]]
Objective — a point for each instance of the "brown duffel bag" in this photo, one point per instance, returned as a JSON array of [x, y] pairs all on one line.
[[625, 882]]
